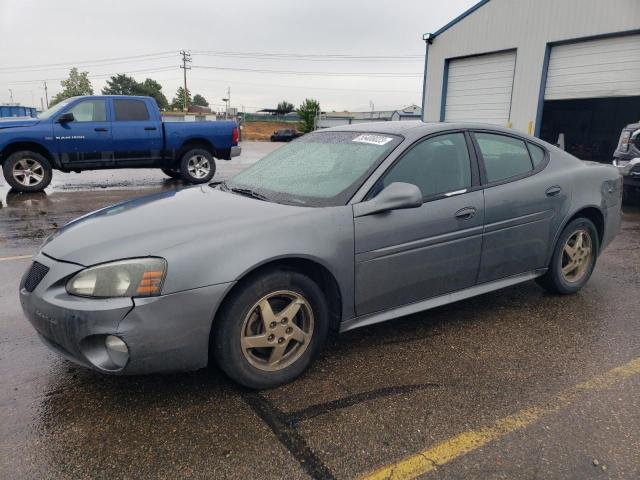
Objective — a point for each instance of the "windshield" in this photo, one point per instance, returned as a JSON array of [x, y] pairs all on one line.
[[319, 169], [55, 109]]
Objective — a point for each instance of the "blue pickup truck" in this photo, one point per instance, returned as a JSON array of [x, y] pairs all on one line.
[[101, 132]]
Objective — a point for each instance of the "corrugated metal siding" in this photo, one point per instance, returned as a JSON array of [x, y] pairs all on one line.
[[479, 88], [527, 25], [608, 67]]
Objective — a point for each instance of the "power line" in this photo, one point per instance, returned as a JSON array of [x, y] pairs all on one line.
[[91, 62], [312, 59], [306, 87], [298, 72], [305, 55], [101, 75]]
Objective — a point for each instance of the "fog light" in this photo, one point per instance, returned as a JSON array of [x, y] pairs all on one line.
[[117, 350]]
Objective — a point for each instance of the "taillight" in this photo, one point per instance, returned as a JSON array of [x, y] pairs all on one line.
[[234, 136]]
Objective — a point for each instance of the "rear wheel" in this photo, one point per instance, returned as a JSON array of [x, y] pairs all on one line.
[[270, 330], [574, 258], [197, 166], [172, 172], [27, 171]]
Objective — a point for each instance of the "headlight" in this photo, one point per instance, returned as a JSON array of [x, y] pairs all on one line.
[[138, 277]]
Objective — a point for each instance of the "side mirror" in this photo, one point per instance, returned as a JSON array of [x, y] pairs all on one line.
[[396, 196], [66, 117]]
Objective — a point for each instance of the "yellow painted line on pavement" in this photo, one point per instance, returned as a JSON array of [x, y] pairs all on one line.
[[18, 257], [444, 452]]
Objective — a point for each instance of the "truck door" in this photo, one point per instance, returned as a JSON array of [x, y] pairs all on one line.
[[84, 141], [137, 135]]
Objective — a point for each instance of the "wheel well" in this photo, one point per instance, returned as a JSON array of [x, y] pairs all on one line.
[[196, 143], [317, 272], [595, 215], [31, 146]]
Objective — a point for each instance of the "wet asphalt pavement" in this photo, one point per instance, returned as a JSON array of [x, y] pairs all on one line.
[[513, 384]]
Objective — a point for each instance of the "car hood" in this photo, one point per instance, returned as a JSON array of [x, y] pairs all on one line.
[[148, 225], [18, 122]]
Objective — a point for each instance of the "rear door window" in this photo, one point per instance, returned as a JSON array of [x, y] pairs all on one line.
[[504, 157], [130, 110]]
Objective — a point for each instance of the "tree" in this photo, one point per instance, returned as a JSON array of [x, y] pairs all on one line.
[[284, 107], [124, 85], [151, 88], [178, 101], [121, 85], [77, 84], [308, 112], [199, 100]]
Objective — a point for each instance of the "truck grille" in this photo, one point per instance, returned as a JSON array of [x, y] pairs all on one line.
[[35, 276]]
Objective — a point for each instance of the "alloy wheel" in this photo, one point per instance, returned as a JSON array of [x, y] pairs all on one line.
[[277, 330], [576, 256], [28, 172], [198, 166]]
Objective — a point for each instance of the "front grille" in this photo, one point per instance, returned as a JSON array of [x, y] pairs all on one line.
[[35, 276]]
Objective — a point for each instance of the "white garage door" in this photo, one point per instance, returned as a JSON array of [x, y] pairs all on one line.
[[597, 68], [479, 88]]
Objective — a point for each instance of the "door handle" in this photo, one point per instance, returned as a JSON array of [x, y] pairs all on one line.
[[101, 129], [553, 191], [466, 213], [150, 128]]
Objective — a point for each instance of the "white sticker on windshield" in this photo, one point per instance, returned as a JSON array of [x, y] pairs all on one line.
[[373, 139]]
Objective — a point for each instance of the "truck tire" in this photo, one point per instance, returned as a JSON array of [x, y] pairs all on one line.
[[27, 171], [197, 166], [173, 173]]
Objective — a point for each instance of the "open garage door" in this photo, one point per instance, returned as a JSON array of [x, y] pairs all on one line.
[[478, 88], [592, 92]]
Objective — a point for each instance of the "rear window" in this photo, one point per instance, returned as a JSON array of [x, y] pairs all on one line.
[[130, 110], [504, 157], [537, 154]]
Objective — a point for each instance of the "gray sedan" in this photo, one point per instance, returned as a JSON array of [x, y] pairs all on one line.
[[337, 230]]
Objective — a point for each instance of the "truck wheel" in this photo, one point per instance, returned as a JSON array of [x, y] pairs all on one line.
[[270, 329], [27, 171], [173, 173], [197, 166]]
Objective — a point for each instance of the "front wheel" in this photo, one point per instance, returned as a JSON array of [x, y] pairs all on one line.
[[574, 258], [197, 166], [27, 171], [270, 330]]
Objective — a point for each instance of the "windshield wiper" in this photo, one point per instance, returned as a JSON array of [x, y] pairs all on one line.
[[247, 192]]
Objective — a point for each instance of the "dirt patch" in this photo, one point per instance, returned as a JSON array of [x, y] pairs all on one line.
[[262, 131]]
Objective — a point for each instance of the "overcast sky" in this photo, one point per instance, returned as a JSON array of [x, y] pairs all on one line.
[[101, 37]]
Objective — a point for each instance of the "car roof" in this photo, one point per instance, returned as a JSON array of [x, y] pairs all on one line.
[[420, 128]]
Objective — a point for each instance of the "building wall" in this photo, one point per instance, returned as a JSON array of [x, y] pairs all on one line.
[[527, 25]]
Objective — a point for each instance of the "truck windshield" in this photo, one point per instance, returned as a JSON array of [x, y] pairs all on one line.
[[55, 109], [319, 169]]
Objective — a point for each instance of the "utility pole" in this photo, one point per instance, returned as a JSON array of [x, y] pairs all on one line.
[[46, 93], [229, 99], [11, 94], [186, 58]]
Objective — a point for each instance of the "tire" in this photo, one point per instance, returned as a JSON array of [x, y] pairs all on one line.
[[169, 172], [27, 171], [571, 281], [197, 166], [241, 318]]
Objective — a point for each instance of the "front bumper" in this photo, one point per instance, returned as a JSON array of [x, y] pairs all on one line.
[[163, 334]]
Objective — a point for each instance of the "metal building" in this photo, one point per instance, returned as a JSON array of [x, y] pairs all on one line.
[[547, 67]]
